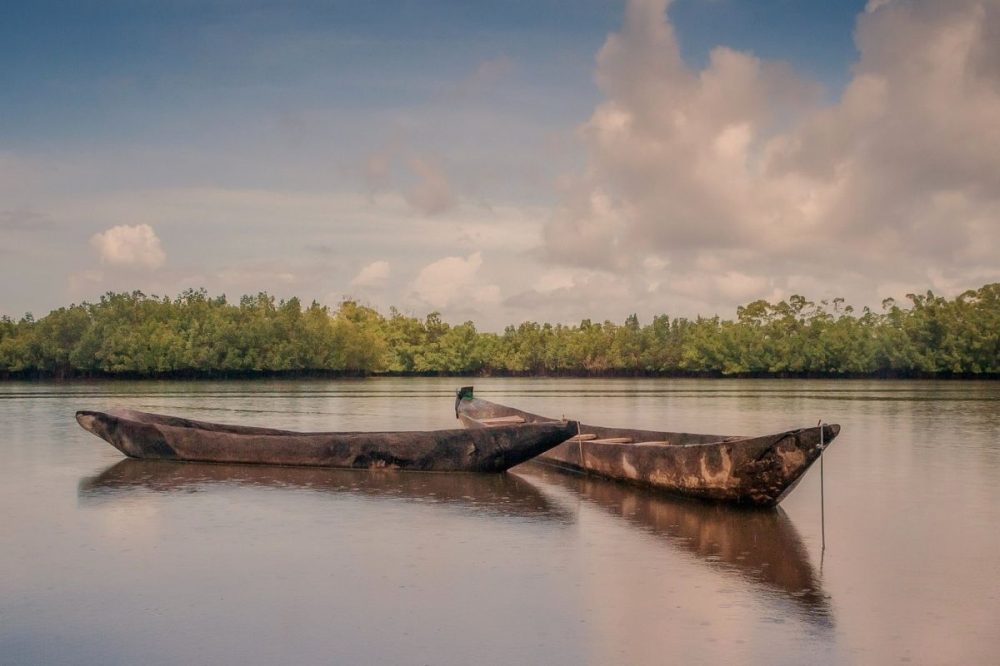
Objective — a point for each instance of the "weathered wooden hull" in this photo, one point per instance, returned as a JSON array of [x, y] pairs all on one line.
[[154, 436], [752, 471]]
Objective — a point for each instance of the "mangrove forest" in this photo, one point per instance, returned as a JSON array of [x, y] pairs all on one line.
[[198, 335]]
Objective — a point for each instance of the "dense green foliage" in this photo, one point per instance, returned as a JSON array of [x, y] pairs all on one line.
[[195, 335]]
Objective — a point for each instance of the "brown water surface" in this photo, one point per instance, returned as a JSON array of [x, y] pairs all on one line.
[[116, 561]]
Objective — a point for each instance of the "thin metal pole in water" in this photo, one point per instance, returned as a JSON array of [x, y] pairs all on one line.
[[822, 502]]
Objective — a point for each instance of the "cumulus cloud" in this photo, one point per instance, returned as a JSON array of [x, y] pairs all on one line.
[[742, 167], [373, 275], [131, 246], [449, 280]]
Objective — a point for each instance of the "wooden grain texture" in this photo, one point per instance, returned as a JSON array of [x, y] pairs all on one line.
[[155, 436], [752, 471]]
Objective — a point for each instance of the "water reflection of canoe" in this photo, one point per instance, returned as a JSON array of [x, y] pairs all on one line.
[[755, 471], [155, 436], [761, 547], [494, 494]]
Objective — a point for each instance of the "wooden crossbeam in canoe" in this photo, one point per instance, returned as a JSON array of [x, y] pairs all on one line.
[[502, 420], [612, 440], [585, 437]]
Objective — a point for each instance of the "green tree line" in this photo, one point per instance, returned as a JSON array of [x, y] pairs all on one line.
[[196, 335]]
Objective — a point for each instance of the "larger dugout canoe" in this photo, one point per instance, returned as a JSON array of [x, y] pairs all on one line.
[[751, 471], [156, 436]]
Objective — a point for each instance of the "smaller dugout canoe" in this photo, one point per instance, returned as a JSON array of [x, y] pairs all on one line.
[[751, 471], [159, 437]]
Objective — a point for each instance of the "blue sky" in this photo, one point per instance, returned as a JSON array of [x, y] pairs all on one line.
[[372, 150], [141, 71]]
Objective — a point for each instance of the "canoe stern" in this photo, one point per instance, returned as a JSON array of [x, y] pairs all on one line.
[[515, 444], [134, 439]]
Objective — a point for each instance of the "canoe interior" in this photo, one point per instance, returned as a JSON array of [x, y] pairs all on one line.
[[150, 418], [473, 411]]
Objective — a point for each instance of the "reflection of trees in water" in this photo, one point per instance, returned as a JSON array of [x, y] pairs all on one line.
[[494, 494], [760, 546]]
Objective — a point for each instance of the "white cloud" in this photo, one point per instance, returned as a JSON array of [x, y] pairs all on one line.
[[131, 246], [899, 181], [373, 275], [294, 243], [446, 281], [693, 189]]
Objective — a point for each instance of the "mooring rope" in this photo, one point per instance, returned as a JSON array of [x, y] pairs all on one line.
[[822, 498]]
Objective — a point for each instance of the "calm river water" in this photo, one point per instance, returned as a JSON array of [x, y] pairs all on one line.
[[114, 561]]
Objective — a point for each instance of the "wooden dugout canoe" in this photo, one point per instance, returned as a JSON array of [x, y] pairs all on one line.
[[751, 471], [155, 436]]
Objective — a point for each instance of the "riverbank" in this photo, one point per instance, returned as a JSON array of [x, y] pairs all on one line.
[[197, 336]]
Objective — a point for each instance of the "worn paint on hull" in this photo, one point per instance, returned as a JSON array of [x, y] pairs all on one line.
[[155, 436], [754, 471]]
